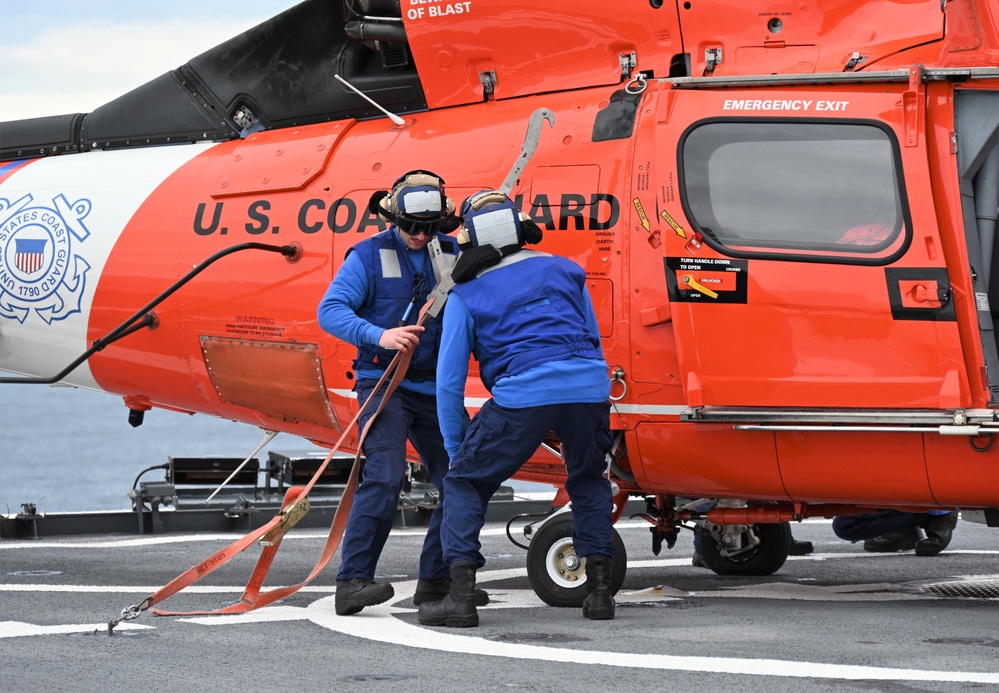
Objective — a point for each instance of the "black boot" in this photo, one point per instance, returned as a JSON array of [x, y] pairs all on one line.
[[599, 602], [698, 560], [457, 609], [800, 548], [353, 595], [939, 530], [435, 590], [899, 540]]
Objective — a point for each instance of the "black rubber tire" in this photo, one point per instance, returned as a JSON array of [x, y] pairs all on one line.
[[765, 559], [547, 553]]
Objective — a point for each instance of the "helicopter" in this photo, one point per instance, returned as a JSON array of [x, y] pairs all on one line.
[[786, 214]]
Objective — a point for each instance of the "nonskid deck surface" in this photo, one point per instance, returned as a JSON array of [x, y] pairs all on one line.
[[836, 619]]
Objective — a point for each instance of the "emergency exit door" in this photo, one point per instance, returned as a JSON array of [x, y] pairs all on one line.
[[807, 270]]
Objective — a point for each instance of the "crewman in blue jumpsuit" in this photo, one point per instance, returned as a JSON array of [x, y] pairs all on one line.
[[888, 531], [528, 319], [373, 303]]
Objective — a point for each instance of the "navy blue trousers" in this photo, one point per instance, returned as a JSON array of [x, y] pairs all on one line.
[[498, 441], [407, 416], [871, 525]]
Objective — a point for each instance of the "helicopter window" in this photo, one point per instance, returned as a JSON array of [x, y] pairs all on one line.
[[754, 187]]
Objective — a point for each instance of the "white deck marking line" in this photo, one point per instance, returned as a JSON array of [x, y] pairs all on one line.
[[122, 543], [125, 589], [380, 625], [768, 590], [19, 629], [269, 614], [194, 538], [291, 536]]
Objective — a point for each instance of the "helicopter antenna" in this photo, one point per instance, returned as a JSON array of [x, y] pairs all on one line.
[[392, 116]]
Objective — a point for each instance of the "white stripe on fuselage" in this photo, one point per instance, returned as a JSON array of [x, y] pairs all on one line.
[[477, 402], [114, 184]]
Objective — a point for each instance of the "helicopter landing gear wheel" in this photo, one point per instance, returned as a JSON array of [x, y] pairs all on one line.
[[765, 558], [557, 575]]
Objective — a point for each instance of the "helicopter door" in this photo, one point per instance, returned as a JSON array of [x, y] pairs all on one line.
[[976, 123], [812, 273]]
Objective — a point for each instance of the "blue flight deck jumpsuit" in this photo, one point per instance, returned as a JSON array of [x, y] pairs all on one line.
[[531, 326], [871, 525], [371, 292]]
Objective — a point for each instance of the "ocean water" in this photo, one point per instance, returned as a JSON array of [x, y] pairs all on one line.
[[69, 450]]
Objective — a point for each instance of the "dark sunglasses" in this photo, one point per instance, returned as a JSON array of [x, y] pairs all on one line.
[[415, 228]]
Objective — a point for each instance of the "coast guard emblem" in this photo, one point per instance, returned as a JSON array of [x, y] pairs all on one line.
[[38, 271]]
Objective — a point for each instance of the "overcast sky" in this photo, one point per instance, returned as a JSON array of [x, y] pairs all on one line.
[[71, 56]]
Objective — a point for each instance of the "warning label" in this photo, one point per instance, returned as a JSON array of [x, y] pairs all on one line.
[[708, 280]]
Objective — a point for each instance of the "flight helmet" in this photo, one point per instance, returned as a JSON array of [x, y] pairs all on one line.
[[490, 218], [416, 203]]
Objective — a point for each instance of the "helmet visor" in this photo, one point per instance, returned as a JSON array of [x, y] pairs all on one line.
[[414, 227], [419, 209]]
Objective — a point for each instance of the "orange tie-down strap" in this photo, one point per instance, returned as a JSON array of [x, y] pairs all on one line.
[[293, 508]]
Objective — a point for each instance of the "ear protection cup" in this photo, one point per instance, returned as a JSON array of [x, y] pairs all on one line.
[[451, 222], [532, 232], [376, 206]]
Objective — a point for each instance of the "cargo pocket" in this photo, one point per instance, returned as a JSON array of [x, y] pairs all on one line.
[[484, 429]]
